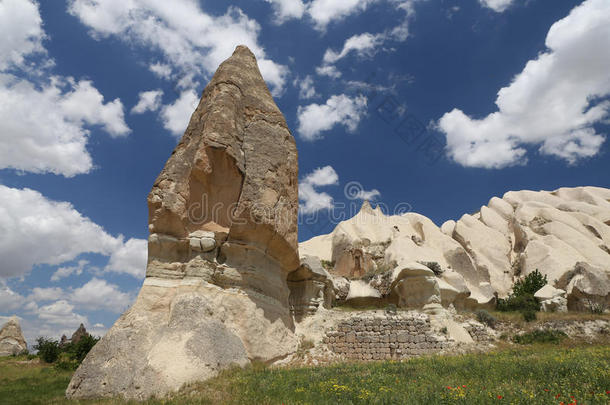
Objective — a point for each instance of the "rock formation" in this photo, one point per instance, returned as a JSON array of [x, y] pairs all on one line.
[[80, 333], [12, 341], [223, 238], [565, 234]]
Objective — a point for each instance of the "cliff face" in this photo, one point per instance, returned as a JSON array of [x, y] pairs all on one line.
[[223, 238], [565, 234]]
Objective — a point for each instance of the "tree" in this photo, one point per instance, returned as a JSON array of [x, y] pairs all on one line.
[[48, 349]]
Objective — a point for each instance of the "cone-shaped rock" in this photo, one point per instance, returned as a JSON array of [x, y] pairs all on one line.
[[11, 338], [223, 237]]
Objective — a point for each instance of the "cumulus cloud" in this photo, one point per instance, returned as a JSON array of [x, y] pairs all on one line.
[[312, 200], [323, 12], [553, 103], [129, 258], [98, 294], [328, 70], [338, 110], [148, 101], [21, 32], [44, 123], [287, 9], [67, 271], [46, 294], [190, 40], [36, 230], [176, 116], [368, 195], [497, 5], [9, 299], [61, 313], [306, 87]]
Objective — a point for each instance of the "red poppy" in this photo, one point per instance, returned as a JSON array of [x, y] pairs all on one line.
[[546, 389], [607, 392], [500, 397], [557, 396], [463, 386], [448, 387]]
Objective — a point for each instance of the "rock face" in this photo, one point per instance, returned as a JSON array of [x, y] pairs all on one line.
[[80, 333], [565, 234], [223, 238], [12, 341], [310, 287]]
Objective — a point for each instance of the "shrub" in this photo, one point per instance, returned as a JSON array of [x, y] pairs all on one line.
[[530, 284], [48, 349], [485, 317], [79, 350], [529, 315], [525, 302], [540, 336]]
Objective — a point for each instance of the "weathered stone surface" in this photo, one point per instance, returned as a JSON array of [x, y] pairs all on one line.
[[415, 285], [12, 341], [223, 238], [80, 333], [507, 239], [310, 287]]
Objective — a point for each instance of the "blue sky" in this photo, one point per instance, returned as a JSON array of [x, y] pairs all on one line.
[[432, 106]]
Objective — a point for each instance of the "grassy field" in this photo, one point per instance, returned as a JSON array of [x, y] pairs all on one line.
[[539, 374]]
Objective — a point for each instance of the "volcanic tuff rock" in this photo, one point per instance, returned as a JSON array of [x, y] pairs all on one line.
[[11, 338], [564, 233], [223, 237]]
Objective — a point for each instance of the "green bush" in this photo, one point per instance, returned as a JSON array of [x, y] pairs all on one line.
[[522, 299], [529, 315], [48, 349], [530, 284], [540, 336], [82, 347], [525, 302], [485, 317]]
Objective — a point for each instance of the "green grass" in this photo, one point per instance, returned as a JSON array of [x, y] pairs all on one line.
[[519, 375]]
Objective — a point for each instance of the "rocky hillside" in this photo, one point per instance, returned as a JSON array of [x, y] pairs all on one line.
[[565, 234]]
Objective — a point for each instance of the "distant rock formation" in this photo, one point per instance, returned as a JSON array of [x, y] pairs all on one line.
[[565, 234], [223, 238], [12, 341], [78, 334]]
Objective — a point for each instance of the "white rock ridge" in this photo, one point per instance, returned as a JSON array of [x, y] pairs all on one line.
[[12, 341], [565, 234]]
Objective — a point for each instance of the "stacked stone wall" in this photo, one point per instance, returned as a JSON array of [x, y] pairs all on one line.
[[385, 338]]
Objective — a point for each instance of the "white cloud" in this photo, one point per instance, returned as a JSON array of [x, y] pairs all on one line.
[[129, 258], [329, 71], [61, 313], [497, 5], [98, 294], [148, 101], [338, 110], [287, 9], [368, 195], [554, 102], [191, 41], [162, 70], [9, 299], [64, 272], [21, 32], [42, 130], [35, 230], [312, 200], [362, 44], [306, 87], [367, 44], [325, 11], [42, 123], [45, 294], [176, 116]]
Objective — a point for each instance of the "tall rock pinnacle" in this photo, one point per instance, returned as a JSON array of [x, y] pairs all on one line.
[[223, 237]]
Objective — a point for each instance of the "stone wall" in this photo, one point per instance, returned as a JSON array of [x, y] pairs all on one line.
[[385, 337]]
